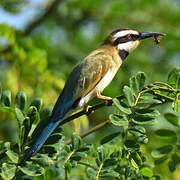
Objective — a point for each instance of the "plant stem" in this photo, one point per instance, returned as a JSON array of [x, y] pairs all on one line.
[[99, 170], [99, 126]]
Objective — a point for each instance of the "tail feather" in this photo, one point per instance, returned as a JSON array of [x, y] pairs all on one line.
[[46, 132]]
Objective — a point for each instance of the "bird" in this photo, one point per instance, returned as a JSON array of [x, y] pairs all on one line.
[[89, 78]]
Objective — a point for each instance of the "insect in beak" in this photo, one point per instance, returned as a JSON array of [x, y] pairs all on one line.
[[156, 35]]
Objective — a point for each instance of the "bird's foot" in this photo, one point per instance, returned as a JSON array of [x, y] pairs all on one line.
[[99, 96], [86, 108]]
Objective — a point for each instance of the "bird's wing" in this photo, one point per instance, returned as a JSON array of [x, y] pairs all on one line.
[[85, 76]]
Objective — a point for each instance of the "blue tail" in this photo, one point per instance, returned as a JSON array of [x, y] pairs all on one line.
[[46, 132]]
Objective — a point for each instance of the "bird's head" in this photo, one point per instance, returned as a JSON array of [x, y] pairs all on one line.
[[126, 40]]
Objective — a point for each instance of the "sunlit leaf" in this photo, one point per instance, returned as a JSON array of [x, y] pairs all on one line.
[[118, 120], [10, 153], [121, 106], [8, 171], [137, 158], [101, 155], [76, 141], [145, 171], [129, 95], [43, 160], [32, 169], [19, 116]]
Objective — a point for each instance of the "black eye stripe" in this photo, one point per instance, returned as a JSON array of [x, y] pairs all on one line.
[[125, 39]]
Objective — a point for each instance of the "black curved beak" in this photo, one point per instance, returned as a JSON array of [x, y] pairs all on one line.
[[144, 35]]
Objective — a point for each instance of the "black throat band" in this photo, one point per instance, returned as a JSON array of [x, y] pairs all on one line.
[[123, 54]]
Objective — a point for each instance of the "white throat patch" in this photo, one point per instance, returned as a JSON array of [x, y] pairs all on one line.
[[128, 46]]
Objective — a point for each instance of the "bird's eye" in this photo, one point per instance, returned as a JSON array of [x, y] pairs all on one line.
[[129, 36]]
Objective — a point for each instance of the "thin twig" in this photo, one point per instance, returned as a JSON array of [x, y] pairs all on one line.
[[164, 84], [99, 126], [89, 110], [99, 171]]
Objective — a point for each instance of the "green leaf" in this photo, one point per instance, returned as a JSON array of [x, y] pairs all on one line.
[[37, 103], [129, 95], [174, 162], [160, 160], [134, 85], [8, 171], [19, 116], [166, 134], [33, 115], [176, 105], [91, 173], [27, 128], [101, 155], [146, 172], [42, 159], [11, 154], [173, 119], [118, 120], [145, 116], [148, 99], [131, 145], [31, 169], [76, 141], [137, 129], [174, 78], [141, 78], [161, 151], [137, 158], [109, 137], [137, 83], [157, 177], [121, 106], [112, 174], [6, 98], [110, 164], [20, 100]]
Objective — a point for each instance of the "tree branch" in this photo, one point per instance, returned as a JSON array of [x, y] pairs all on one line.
[[39, 20], [90, 110], [99, 126]]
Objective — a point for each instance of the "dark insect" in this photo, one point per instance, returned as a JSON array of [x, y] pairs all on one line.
[[157, 39]]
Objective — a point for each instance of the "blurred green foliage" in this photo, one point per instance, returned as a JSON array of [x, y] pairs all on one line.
[[38, 58]]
